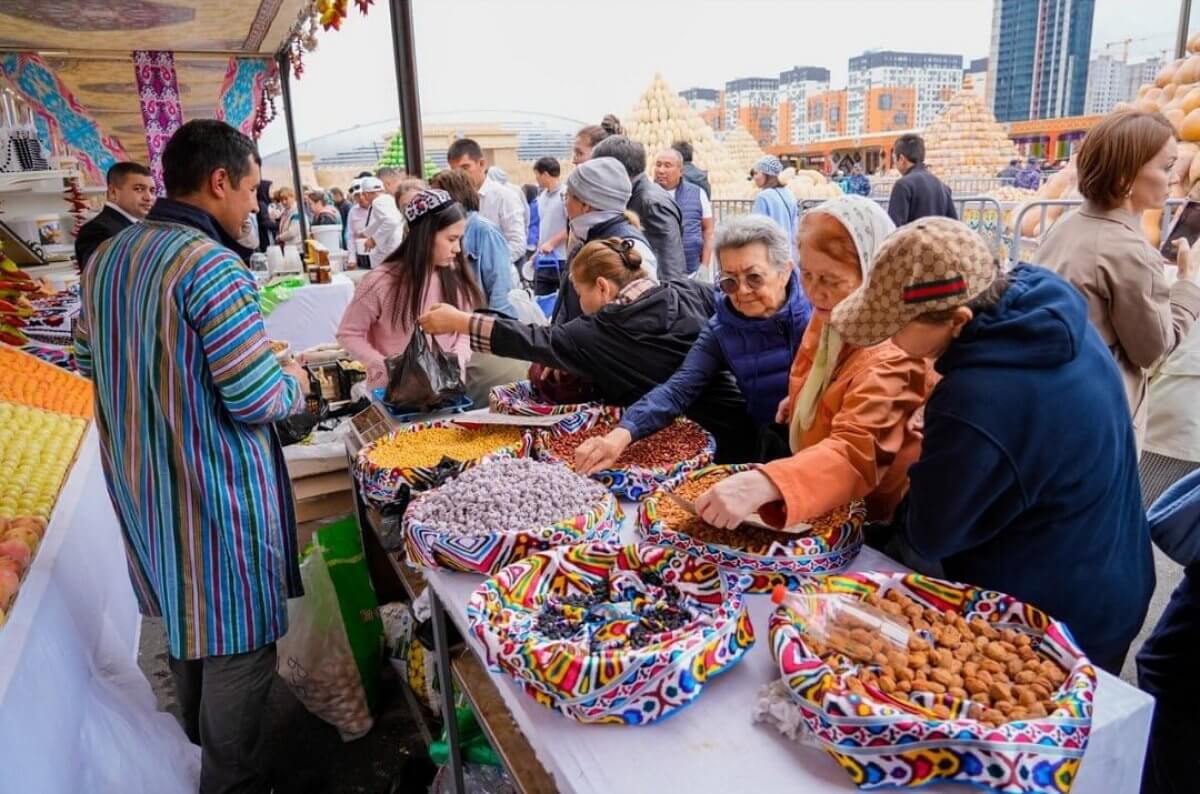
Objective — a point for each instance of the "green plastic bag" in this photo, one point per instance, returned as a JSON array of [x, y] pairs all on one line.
[[342, 547]]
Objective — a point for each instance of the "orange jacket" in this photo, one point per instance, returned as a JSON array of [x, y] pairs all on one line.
[[864, 436]]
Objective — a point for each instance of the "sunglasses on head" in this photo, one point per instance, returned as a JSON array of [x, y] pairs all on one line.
[[730, 284]]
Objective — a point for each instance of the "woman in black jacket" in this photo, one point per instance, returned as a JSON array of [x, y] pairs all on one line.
[[632, 336]]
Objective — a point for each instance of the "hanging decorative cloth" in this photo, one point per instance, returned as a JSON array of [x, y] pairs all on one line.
[[158, 95], [59, 116], [247, 99]]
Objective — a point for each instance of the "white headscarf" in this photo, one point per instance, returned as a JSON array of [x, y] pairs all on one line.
[[868, 226]]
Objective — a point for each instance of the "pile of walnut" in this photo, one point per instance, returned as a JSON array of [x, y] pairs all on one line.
[[997, 670]]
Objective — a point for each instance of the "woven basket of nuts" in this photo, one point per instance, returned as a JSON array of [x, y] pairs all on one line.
[[680, 447], [766, 558], [520, 399], [609, 633], [985, 690], [503, 510], [425, 454]]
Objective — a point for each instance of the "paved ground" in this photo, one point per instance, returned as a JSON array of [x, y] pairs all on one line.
[[307, 755]]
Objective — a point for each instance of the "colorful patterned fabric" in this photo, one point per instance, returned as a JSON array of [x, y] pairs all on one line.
[[158, 94], [831, 544], [519, 399], [59, 113], [186, 391], [883, 746], [242, 93], [630, 687], [425, 202], [630, 482]]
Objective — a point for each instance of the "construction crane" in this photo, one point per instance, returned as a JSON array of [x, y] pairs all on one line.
[[1126, 42]]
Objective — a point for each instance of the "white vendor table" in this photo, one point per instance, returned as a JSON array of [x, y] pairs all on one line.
[[310, 317], [76, 712], [713, 745]]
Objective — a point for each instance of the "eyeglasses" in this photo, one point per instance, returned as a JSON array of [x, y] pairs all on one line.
[[731, 284]]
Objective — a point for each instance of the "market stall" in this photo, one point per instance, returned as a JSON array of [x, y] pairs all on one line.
[[711, 740]]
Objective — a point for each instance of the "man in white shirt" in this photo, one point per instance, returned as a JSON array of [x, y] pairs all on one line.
[[501, 206], [385, 226], [552, 226], [356, 224], [694, 205]]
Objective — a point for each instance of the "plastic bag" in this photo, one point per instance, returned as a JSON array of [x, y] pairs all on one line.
[[477, 779], [315, 658], [341, 544], [423, 376]]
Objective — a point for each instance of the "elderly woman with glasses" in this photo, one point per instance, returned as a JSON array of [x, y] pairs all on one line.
[[849, 412], [754, 333]]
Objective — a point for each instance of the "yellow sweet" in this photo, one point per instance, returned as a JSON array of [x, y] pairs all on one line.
[[36, 451], [427, 447]]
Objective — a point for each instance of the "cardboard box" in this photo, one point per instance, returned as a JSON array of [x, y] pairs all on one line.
[[326, 495]]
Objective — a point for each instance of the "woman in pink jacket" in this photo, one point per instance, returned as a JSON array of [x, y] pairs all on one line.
[[428, 268]]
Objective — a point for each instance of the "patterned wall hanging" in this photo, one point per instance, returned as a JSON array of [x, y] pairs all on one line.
[[61, 117], [247, 98], [158, 95]]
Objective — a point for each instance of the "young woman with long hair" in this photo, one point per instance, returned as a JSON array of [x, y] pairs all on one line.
[[428, 268]]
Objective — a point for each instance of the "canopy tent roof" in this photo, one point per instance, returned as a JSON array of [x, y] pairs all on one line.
[[88, 45]]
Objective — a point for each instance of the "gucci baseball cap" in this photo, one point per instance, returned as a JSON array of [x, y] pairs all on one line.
[[929, 265]]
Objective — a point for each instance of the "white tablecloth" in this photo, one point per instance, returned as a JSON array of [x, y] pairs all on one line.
[[76, 712], [712, 745], [311, 315]]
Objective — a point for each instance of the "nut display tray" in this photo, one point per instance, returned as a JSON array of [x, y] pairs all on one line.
[[381, 484], [630, 482], [882, 744], [829, 545], [487, 552], [519, 399], [621, 685]]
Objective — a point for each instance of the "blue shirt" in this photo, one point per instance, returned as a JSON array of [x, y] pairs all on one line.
[[779, 205], [487, 252]]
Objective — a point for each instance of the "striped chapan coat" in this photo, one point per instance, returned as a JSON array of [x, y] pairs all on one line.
[[186, 391]]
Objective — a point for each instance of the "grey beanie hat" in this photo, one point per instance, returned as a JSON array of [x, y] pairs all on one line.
[[601, 183]]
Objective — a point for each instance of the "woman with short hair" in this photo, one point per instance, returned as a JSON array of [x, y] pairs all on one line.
[[1125, 167], [754, 333], [849, 409]]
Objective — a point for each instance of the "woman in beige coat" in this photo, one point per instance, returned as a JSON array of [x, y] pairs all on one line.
[[1126, 167]]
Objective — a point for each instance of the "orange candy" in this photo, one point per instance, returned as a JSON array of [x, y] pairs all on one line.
[[30, 381]]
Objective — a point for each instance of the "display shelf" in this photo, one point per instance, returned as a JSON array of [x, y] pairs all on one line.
[[34, 181], [498, 725]]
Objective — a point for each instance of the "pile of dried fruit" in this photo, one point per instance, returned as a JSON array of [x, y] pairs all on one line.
[[30, 381], [675, 443], [997, 670], [752, 539], [634, 614], [506, 495], [429, 446]]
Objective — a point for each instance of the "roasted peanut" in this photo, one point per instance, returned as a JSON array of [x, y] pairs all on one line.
[[943, 677], [958, 692], [922, 685], [974, 685], [1000, 691], [887, 683], [1025, 677], [941, 712]]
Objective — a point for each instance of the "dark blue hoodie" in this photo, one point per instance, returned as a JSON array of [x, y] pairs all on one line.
[[1028, 478]]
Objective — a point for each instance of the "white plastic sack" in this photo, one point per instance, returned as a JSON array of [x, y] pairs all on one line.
[[315, 658], [122, 716], [526, 308]]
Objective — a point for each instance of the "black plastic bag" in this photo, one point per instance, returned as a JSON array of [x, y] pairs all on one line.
[[423, 377]]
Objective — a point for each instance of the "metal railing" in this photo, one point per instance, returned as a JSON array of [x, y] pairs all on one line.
[[984, 214], [728, 208], [1021, 248], [967, 185]]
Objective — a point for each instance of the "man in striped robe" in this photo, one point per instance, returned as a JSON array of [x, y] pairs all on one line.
[[186, 391]]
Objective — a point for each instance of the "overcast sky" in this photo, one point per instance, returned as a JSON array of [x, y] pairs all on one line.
[[584, 59]]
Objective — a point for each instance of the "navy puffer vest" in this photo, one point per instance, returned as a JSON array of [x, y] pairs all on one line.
[[687, 196], [760, 351]]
